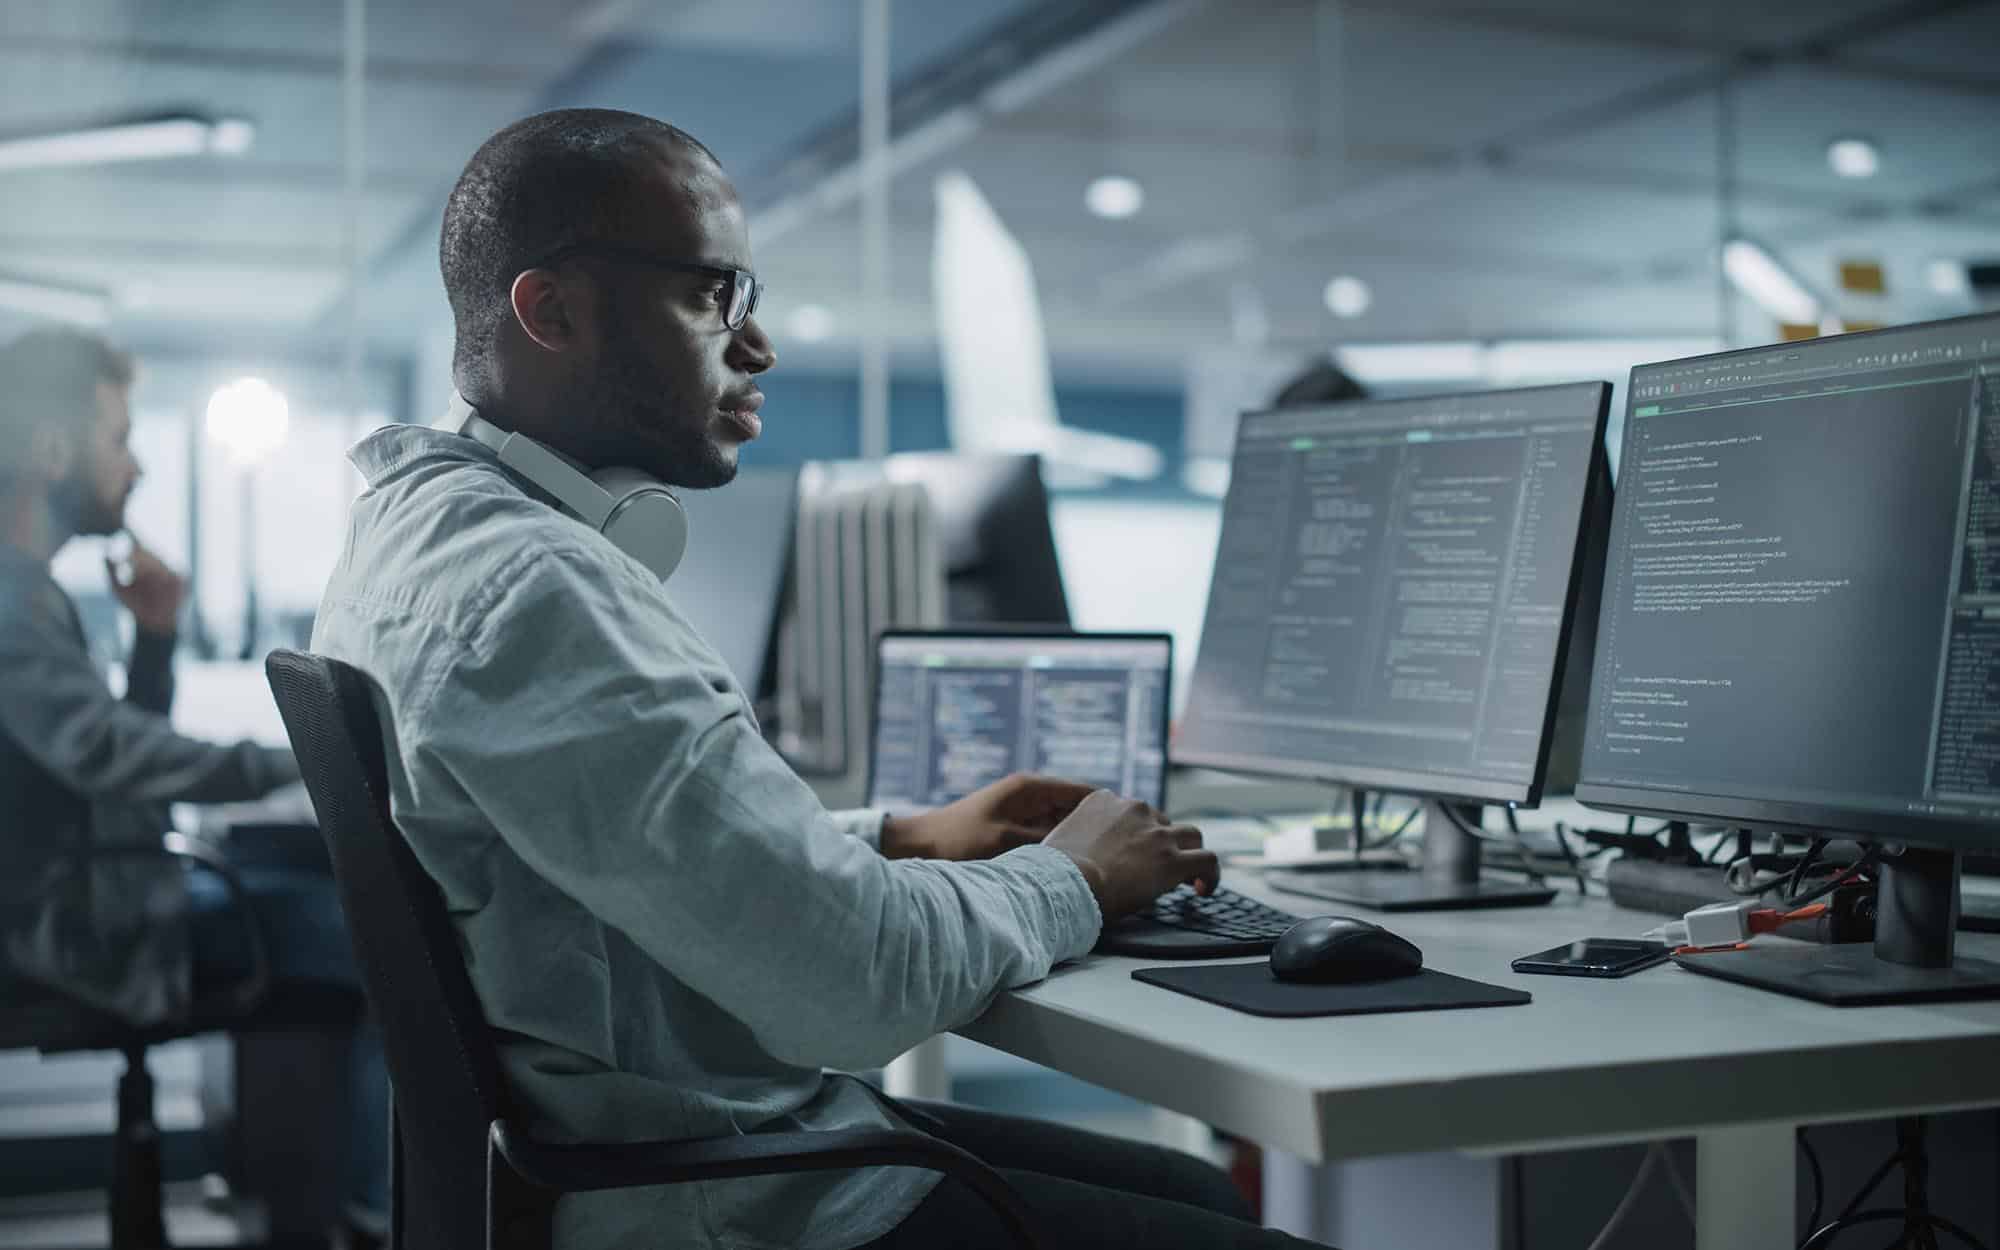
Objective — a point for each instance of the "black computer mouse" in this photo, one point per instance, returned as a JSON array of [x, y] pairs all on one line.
[[1333, 949]]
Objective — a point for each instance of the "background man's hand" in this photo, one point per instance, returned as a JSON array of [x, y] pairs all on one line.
[[1015, 811], [1130, 855], [150, 590]]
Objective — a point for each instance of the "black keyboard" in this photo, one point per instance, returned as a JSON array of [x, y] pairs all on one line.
[[1183, 925]]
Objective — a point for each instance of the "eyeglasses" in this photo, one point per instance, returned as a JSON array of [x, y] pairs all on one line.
[[740, 297]]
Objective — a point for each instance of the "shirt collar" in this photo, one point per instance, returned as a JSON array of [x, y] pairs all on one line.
[[386, 452]]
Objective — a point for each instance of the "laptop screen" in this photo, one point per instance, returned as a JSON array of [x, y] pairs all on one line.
[[954, 712]]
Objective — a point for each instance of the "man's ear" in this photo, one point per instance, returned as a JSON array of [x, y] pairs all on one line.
[[51, 453], [545, 310]]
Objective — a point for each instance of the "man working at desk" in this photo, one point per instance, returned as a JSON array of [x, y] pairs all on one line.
[[80, 770], [668, 933]]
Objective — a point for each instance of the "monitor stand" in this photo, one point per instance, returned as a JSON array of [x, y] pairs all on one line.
[[1447, 881], [1911, 960]]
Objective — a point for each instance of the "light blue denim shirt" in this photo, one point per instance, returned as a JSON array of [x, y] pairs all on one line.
[[669, 934]]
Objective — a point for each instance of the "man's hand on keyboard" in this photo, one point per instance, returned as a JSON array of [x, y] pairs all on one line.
[[1130, 855], [1014, 811]]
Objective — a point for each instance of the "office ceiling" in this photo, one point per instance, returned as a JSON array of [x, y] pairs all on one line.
[[1491, 168]]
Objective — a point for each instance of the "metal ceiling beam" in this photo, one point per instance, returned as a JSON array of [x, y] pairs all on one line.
[[1825, 50], [381, 70], [241, 255], [1373, 197], [946, 104]]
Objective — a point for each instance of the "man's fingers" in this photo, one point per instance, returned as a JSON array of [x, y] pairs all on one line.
[[1201, 868], [1186, 837], [1050, 798]]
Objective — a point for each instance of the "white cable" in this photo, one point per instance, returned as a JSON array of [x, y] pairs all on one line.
[[1624, 1208]]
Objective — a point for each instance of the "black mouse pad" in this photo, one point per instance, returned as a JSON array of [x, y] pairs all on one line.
[[1252, 988]]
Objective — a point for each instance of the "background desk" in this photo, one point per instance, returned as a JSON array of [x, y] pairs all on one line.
[[1664, 1053]]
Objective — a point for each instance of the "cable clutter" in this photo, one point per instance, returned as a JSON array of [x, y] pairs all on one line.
[[1920, 1224]]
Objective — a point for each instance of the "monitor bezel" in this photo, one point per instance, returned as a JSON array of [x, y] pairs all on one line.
[[1960, 833], [1024, 633], [1450, 787]]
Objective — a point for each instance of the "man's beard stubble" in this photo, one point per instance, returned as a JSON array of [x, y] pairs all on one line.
[[647, 413], [78, 509]]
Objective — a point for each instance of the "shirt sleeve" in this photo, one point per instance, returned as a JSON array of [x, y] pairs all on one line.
[[56, 708], [581, 724], [863, 823]]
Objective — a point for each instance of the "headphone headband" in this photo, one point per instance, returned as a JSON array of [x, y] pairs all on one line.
[[638, 514]]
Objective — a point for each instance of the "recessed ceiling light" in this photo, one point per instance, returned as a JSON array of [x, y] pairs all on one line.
[[809, 323], [1853, 158], [1947, 277], [1114, 197], [1348, 296]]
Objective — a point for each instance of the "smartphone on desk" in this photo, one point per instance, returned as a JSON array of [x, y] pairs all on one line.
[[1595, 957]]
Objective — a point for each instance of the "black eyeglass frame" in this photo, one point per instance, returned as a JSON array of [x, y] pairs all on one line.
[[745, 290]]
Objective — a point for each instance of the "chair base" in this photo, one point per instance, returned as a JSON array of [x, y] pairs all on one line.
[[138, 1215]]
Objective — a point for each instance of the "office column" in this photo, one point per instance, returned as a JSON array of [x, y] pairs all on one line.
[[874, 229]]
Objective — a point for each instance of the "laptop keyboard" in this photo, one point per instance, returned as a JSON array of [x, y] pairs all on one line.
[[1225, 913]]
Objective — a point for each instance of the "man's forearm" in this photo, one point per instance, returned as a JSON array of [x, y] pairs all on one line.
[[149, 672]]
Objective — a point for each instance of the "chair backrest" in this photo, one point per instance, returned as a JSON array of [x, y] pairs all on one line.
[[443, 1064]]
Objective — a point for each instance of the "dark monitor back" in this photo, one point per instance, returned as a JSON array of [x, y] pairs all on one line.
[[1395, 591], [731, 580], [998, 547]]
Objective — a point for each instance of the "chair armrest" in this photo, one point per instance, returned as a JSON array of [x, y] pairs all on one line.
[[178, 846], [580, 1168]]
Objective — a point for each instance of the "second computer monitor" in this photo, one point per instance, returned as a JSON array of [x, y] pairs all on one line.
[[1393, 591], [957, 711]]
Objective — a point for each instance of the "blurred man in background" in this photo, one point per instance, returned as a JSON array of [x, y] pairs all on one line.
[[136, 938]]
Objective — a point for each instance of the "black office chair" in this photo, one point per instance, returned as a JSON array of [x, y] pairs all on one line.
[[466, 1176], [40, 1018]]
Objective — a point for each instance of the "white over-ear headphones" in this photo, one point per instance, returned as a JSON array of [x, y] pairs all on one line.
[[633, 510]]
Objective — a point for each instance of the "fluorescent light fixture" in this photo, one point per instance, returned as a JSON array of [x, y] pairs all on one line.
[[232, 136], [249, 417], [1207, 476], [810, 323], [1412, 362], [1853, 158], [150, 140], [57, 303], [1348, 296], [1948, 277], [1754, 271], [1114, 197]]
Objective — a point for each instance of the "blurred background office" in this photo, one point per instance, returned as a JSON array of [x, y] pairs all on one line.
[[1091, 230]]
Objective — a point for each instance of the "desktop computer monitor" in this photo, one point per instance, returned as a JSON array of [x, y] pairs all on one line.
[[999, 550], [991, 512], [730, 582], [956, 711], [1801, 626], [1391, 608]]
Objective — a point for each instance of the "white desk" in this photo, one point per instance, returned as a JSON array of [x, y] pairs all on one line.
[[1664, 1053]]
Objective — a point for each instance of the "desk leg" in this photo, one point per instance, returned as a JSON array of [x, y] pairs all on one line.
[[1294, 1197], [919, 1072], [1746, 1180]]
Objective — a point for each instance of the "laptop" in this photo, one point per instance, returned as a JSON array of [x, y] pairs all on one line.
[[957, 710]]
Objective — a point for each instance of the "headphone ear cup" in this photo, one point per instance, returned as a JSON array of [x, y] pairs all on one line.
[[646, 522]]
